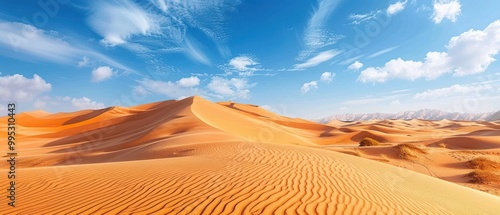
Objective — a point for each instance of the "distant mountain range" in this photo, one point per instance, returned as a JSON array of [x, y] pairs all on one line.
[[425, 114]]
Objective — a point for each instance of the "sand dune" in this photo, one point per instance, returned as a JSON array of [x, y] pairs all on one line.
[[449, 145], [197, 157]]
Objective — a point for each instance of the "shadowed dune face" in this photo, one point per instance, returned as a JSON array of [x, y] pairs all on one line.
[[196, 157]]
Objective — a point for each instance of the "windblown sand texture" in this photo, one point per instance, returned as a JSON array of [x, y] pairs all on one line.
[[196, 157]]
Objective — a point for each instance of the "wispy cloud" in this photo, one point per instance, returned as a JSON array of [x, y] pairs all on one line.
[[22, 39], [118, 21], [381, 52], [319, 58], [455, 90], [163, 26], [316, 34], [370, 100], [392, 9], [360, 18]]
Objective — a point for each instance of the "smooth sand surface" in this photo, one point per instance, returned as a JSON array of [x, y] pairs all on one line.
[[197, 157]]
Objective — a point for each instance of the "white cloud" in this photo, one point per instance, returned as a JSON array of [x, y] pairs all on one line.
[[22, 40], [189, 82], [242, 63], [396, 8], [316, 34], [360, 18], [39, 104], [231, 88], [381, 52], [472, 52], [85, 103], [117, 21], [102, 73], [327, 77], [355, 66], [29, 40], [395, 102], [139, 91], [308, 86], [180, 89], [320, 58], [469, 53], [84, 62], [19, 88], [446, 9], [206, 16], [391, 10], [454, 90]]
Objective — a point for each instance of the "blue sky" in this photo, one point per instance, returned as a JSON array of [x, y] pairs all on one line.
[[305, 59]]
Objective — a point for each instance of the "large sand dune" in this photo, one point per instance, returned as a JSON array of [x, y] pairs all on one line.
[[196, 157]]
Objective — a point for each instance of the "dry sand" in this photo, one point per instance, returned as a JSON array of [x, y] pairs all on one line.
[[196, 157]]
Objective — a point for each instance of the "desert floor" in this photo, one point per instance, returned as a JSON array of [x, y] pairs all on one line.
[[197, 157]]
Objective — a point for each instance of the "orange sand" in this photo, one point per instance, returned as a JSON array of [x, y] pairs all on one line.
[[196, 157]]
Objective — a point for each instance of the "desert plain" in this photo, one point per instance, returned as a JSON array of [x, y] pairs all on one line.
[[193, 156]]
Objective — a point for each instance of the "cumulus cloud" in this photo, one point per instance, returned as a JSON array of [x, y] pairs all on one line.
[[19, 88], [86, 103], [308, 86], [327, 77], [469, 53], [189, 82], [396, 8], [355, 66], [230, 88], [455, 90], [182, 88], [243, 63], [446, 9], [319, 58], [102, 73]]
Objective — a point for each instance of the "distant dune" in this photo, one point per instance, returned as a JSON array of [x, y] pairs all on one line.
[[197, 157]]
